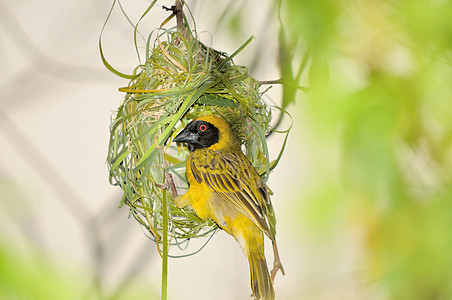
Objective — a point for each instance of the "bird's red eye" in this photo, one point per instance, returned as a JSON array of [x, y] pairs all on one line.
[[203, 127]]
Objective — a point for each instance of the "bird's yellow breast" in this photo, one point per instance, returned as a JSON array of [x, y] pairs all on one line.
[[199, 195], [208, 205]]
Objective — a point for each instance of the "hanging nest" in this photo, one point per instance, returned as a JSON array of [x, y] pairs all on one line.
[[182, 79]]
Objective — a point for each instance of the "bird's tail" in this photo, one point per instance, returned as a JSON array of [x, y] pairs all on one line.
[[261, 283]]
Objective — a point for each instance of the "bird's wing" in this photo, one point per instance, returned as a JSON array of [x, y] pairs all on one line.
[[232, 176]]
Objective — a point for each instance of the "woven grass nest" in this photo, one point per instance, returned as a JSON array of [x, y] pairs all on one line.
[[181, 80]]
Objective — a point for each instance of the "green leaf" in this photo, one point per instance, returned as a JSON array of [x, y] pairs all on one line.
[[214, 99]]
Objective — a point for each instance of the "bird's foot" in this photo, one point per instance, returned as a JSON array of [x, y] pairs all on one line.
[[168, 185], [277, 263]]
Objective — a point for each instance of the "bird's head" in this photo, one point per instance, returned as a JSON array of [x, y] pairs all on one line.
[[207, 132]]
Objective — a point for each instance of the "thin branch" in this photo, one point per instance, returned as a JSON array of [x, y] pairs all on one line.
[[178, 11]]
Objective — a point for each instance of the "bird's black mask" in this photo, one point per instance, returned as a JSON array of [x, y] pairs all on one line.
[[198, 135]]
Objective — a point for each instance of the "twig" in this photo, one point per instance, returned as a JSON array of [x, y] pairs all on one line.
[[178, 11]]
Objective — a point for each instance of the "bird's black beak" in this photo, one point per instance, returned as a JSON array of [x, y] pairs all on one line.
[[186, 136]]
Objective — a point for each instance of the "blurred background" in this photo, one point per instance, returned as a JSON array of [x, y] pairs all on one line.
[[363, 193]]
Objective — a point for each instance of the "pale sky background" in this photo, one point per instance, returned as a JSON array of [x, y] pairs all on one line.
[[56, 99]]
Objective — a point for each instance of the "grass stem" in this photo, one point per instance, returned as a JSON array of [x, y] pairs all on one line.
[[165, 247]]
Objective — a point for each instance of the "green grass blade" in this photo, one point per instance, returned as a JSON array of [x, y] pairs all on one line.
[[153, 150], [229, 58], [104, 60], [119, 159], [165, 247]]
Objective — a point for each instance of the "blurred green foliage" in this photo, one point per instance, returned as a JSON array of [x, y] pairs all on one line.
[[32, 274], [380, 74], [25, 277]]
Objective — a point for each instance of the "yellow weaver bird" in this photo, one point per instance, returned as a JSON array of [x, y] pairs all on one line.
[[225, 187]]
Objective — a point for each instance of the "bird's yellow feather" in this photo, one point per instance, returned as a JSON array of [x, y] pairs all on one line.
[[225, 187]]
